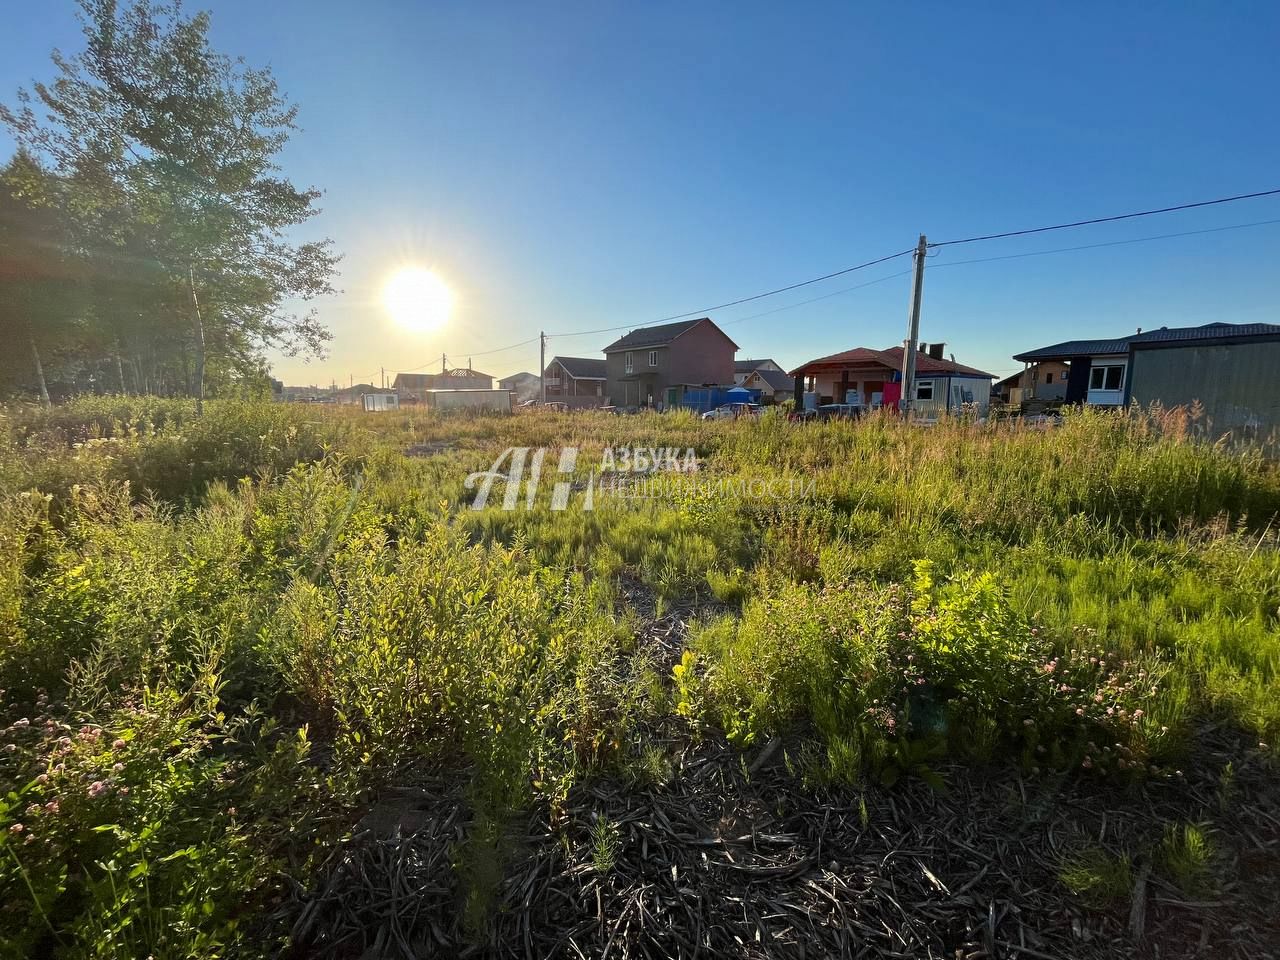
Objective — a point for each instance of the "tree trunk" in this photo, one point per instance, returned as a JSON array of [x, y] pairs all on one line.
[[199, 384], [44, 387], [120, 371]]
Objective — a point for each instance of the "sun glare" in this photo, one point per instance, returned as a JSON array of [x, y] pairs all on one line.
[[418, 299]]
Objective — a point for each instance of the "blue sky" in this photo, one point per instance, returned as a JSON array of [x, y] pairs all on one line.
[[571, 166]]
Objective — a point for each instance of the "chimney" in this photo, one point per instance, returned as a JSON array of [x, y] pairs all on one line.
[[935, 351]]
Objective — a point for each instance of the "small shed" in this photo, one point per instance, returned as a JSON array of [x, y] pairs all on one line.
[[380, 402]]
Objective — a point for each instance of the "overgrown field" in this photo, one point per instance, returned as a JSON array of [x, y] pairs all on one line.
[[226, 641]]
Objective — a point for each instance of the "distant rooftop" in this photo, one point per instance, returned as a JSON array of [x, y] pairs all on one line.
[[582, 368], [656, 336]]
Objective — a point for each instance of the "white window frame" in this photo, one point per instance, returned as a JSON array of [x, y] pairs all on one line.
[[1101, 371], [922, 385], [653, 358], [628, 364]]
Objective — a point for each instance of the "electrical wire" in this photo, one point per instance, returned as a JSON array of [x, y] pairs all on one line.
[[902, 253], [825, 296], [734, 303], [1108, 243], [470, 355], [1112, 219]]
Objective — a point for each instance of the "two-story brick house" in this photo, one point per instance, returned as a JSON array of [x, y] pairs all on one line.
[[652, 366]]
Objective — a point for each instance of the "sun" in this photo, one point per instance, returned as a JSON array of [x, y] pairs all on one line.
[[417, 298]]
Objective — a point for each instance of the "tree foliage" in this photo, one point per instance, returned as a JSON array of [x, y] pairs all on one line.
[[162, 166]]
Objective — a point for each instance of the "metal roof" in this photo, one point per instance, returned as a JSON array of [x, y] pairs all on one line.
[[582, 368], [1165, 335], [658, 335], [1076, 348], [1208, 331]]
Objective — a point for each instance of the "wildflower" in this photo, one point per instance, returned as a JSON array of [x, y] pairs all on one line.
[[124, 791], [118, 745], [1138, 714], [52, 806], [117, 767], [17, 828], [1079, 711], [98, 788], [1028, 722], [42, 778]]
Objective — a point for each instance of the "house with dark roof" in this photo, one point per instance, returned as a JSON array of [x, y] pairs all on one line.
[[577, 381], [774, 385], [653, 366], [1226, 369], [874, 378], [744, 368]]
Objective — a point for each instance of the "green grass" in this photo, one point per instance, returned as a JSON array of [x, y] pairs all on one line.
[[274, 612]]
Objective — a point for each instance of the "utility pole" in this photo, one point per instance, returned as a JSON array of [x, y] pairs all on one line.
[[444, 364], [913, 329], [542, 363], [384, 377]]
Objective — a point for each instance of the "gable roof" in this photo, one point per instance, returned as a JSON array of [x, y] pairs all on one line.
[[750, 366], [581, 368], [658, 336], [892, 358], [776, 379], [413, 380]]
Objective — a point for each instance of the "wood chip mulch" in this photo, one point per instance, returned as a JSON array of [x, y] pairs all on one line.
[[734, 857]]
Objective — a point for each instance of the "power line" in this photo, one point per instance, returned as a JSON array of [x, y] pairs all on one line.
[[1108, 243], [734, 303], [902, 253], [1121, 216], [470, 354], [825, 296]]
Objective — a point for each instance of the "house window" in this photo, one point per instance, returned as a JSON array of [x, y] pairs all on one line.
[[1106, 378], [653, 358], [1048, 378], [924, 390], [629, 365]]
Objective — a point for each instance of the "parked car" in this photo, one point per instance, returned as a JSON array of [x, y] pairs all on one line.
[[840, 411], [730, 411]]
